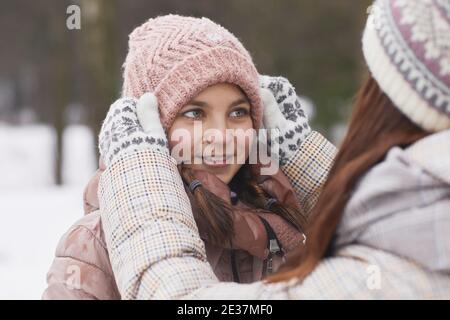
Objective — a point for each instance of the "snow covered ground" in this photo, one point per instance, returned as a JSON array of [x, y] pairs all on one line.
[[35, 213]]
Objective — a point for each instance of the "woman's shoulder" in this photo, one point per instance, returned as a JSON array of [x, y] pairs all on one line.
[[81, 265], [85, 241]]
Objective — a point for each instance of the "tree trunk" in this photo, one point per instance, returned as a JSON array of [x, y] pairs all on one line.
[[100, 39]]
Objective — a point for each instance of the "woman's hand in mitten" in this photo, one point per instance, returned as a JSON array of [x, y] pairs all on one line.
[[129, 126], [283, 112]]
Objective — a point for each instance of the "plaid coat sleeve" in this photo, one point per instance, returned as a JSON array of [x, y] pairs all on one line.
[[156, 252], [308, 169]]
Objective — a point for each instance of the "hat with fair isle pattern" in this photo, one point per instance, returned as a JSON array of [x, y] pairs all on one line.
[[406, 45]]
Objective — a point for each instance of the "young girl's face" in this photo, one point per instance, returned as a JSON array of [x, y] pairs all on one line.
[[215, 146]]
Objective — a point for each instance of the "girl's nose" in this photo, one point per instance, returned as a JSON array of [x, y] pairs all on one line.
[[217, 133]]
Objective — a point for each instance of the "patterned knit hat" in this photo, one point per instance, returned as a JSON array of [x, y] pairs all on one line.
[[177, 57], [406, 45]]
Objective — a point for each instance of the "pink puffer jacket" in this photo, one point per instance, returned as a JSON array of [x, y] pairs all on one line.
[[82, 270]]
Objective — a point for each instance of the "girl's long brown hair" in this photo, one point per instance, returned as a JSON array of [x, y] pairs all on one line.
[[217, 212], [375, 127]]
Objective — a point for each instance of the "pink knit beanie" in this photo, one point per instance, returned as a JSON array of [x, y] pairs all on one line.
[[177, 57]]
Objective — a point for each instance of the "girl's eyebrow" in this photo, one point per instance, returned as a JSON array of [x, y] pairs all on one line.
[[205, 104]]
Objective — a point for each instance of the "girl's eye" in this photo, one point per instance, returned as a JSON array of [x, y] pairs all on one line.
[[193, 114], [238, 113]]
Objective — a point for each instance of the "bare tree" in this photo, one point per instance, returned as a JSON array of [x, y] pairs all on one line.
[[99, 41]]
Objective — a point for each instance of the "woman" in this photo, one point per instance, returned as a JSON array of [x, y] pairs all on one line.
[[249, 222], [380, 226]]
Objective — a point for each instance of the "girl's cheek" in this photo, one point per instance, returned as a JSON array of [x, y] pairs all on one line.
[[250, 137], [181, 142], [243, 147]]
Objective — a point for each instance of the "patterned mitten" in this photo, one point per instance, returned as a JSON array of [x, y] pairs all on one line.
[[131, 125], [283, 111]]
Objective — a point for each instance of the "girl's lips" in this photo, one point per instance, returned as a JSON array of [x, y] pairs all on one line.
[[219, 162], [216, 165]]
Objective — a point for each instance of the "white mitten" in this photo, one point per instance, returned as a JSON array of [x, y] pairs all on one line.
[[131, 125], [283, 111]]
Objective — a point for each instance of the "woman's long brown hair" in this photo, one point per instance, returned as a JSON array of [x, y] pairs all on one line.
[[375, 127]]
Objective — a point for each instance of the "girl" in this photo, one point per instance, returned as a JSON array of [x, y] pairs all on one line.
[[248, 222], [380, 227]]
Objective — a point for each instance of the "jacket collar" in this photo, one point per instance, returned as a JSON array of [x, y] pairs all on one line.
[[276, 185], [432, 154], [401, 204]]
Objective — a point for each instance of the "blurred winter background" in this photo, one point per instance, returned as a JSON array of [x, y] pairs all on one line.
[[56, 85]]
